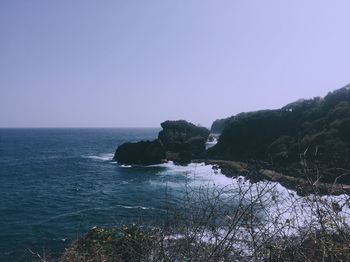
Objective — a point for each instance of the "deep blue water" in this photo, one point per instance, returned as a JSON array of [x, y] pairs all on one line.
[[55, 184]]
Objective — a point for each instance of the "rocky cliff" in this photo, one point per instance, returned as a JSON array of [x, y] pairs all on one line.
[[141, 153], [182, 140], [316, 129], [179, 141]]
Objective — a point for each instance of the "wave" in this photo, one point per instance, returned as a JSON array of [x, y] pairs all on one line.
[[195, 173], [101, 157], [164, 165], [137, 207], [125, 166]]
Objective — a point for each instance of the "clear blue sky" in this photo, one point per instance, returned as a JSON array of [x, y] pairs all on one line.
[[127, 63]]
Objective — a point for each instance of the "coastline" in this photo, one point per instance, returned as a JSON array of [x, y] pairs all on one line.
[[257, 171]]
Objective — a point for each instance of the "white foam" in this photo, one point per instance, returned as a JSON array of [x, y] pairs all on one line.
[[139, 207], [283, 209], [125, 166], [196, 174], [210, 144], [284, 214], [101, 157], [168, 164], [134, 207]]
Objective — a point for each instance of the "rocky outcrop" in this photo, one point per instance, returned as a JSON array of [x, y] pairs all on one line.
[[315, 131], [179, 141], [141, 153], [182, 140]]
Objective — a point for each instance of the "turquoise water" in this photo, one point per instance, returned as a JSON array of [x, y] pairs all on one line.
[[55, 184]]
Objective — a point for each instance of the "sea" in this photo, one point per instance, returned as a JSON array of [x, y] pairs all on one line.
[[57, 183]]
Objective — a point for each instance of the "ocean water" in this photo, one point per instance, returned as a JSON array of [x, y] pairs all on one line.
[[55, 184]]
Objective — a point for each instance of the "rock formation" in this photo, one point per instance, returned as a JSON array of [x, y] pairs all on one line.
[[182, 140], [179, 141], [315, 130], [141, 153]]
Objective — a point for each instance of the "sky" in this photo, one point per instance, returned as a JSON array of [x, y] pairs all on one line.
[[136, 63]]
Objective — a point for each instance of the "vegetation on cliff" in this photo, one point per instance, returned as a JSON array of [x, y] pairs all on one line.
[[317, 128]]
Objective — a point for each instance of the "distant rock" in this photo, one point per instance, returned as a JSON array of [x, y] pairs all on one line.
[[182, 140], [141, 153], [179, 141]]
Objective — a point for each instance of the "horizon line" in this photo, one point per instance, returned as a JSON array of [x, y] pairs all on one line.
[[72, 127]]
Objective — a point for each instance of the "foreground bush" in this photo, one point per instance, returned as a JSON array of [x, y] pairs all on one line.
[[112, 244], [316, 246]]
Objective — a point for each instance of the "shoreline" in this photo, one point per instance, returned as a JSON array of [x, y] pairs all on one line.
[[258, 171]]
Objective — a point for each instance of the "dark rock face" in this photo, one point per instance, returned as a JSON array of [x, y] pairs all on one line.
[[219, 125], [141, 153], [318, 129], [179, 141], [183, 140]]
